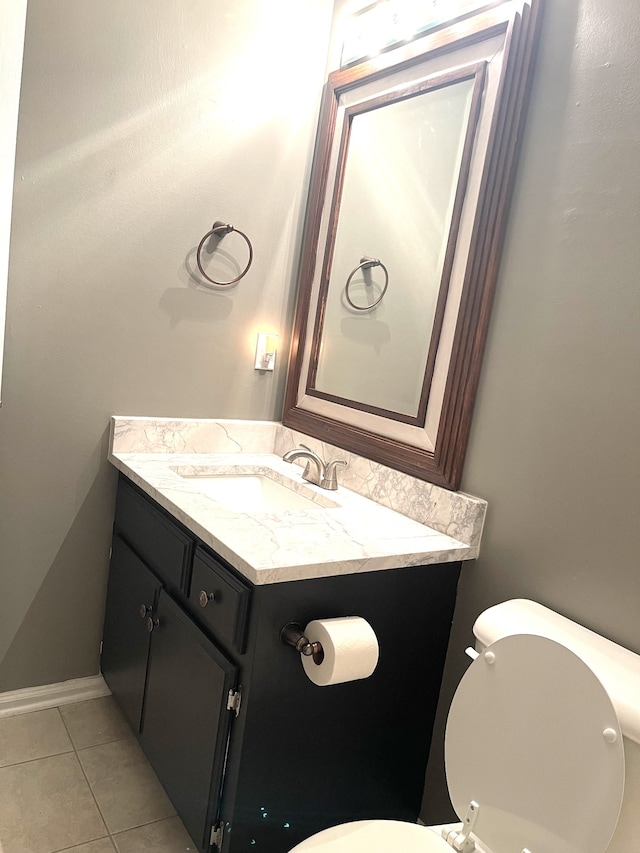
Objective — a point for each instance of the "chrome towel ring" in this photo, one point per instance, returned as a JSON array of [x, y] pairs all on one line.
[[223, 229], [366, 264]]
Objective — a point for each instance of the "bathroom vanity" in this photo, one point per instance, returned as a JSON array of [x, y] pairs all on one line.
[[249, 750]]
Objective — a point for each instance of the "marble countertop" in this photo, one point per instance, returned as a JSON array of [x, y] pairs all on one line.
[[344, 532]]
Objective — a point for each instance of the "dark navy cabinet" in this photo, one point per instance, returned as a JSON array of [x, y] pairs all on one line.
[[186, 721], [251, 753], [131, 598]]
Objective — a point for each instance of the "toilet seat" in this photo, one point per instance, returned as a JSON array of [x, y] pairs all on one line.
[[533, 737], [375, 836], [533, 740]]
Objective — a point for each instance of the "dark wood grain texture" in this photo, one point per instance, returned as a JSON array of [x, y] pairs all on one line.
[[517, 23]]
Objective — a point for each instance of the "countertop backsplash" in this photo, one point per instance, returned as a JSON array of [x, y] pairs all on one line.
[[447, 525]]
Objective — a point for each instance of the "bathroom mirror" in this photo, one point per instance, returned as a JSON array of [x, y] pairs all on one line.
[[413, 168]]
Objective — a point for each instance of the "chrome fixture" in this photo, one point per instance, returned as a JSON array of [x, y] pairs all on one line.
[[316, 471], [220, 229], [311, 475], [330, 481], [366, 263]]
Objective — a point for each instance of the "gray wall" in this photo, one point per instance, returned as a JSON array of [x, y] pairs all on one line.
[[555, 444], [140, 124]]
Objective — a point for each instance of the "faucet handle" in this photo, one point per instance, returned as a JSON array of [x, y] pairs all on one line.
[[330, 481]]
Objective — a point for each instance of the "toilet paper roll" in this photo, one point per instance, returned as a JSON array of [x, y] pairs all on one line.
[[350, 650]]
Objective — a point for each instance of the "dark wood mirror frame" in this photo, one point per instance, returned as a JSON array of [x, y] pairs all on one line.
[[514, 26]]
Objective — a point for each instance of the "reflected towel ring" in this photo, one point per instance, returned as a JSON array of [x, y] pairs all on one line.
[[365, 264], [217, 228]]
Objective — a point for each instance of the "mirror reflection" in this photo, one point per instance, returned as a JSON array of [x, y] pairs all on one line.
[[402, 163]]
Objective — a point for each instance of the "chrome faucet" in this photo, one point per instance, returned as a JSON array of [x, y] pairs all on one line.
[[315, 475], [316, 471]]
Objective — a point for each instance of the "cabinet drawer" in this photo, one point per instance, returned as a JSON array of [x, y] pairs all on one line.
[[161, 543], [220, 600]]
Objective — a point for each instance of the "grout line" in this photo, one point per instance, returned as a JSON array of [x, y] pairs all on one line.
[[84, 843], [40, 758], [77, 748], [149, 823], [110, 835], [75, 751], [102, 817]]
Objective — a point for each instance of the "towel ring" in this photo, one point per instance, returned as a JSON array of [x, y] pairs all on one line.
[[218, 227], [366, 264]]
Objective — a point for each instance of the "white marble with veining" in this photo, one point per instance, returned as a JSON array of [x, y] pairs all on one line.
[[364, 532], [454, 513], [191, 435]]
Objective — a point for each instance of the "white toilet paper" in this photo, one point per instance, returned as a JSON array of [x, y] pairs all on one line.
[[350, 650]]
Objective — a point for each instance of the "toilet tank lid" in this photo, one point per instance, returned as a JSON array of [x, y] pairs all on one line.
[[617, 668]]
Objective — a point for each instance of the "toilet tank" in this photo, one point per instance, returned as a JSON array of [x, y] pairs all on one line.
[[617, 668]]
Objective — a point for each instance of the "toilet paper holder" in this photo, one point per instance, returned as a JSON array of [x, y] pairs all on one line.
[[293, 635]]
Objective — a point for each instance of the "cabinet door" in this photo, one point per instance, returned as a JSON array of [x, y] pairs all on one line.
[[186, 721], [131, 595]]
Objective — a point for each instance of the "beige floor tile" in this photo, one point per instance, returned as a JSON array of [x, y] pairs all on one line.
[[46, 805], [104, 845], [165, 836], [94, 722], [26, 737], [124, 785]]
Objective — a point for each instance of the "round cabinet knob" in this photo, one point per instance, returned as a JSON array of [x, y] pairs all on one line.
[[144, 610], [152, 623], [205, 597]]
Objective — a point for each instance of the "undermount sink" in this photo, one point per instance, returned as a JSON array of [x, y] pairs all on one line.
[[255, 490]]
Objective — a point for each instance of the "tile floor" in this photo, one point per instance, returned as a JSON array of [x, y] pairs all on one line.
[[73, 778]]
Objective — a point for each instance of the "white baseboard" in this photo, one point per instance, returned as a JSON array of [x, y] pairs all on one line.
[[51, 695]]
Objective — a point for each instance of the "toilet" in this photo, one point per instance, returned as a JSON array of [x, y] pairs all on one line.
[[542, 747]]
